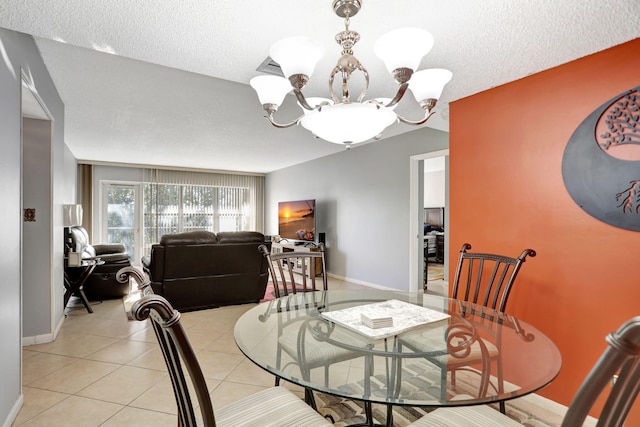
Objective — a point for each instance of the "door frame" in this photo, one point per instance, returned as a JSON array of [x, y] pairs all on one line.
[[137, 213], [416, 214]]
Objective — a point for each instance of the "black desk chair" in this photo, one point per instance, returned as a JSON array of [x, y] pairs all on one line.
[[622, 357], [275, 406]]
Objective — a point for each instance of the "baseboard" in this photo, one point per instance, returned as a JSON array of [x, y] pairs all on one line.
[[37, 339], [361, 282], [59, 327], [13, 413], [45, 338]]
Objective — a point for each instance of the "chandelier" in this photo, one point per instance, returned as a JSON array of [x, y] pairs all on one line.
[[339, 119]]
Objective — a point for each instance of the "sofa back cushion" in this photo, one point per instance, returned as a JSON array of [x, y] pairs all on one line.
[[205, 254], [189, 238]]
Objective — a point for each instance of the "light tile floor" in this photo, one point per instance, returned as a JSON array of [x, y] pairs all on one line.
[[103, 370]]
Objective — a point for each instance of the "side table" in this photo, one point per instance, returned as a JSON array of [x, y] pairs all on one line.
[[73, 283]]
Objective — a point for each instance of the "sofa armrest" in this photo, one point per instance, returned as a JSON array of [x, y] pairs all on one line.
[[104, 249], [146, 265], [155, 268], [146, 261]]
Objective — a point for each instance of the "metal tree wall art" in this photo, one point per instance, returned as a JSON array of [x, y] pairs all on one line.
[[630, 198], [601, 163]]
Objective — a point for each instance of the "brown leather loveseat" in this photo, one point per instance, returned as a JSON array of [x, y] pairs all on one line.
[[200, 269]]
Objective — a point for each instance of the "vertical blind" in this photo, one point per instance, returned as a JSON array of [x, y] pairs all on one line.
[[178, 201]]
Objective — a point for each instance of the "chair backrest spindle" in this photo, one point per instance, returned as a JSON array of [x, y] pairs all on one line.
[[488, 275], [306, 265]]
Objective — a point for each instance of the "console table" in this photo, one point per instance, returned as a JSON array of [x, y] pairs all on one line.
[[74, 283], [277, 248]]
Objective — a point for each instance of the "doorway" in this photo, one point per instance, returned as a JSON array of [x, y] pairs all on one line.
[[417, 217], [40, 305]]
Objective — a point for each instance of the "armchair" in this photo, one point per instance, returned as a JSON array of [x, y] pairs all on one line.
[[102, 284]]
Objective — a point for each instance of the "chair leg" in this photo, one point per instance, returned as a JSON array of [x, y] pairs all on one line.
[[389, 415], [310, 399], [369, 413]]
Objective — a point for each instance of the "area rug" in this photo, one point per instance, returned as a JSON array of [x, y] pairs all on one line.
[[419, 382], [345, 412]]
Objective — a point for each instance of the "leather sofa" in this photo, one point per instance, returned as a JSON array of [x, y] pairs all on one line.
[[200, 269], [102, 283]]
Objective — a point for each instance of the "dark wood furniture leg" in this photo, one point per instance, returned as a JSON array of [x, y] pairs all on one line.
[[75, 287]]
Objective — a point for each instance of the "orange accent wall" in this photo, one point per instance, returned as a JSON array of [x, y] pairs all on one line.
[[507, 194]]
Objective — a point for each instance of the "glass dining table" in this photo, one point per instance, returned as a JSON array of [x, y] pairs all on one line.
[[466, 354]]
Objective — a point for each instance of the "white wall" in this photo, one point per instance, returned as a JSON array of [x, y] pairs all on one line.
[[363, 204], [434, 185], [19, 52]]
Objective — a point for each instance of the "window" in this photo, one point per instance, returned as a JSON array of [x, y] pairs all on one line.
[[190, 201], [121, 224]]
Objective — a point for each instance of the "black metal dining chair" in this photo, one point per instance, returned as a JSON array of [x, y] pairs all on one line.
[[275, 406], [485, 279], [297, 271], [292, 273], [622, 357]]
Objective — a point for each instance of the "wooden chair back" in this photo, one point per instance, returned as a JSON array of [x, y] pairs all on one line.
[[297, 271], [486, 279]]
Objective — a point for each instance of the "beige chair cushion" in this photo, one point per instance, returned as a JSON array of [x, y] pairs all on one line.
[[273, 407], [465, 416], [319, 351]]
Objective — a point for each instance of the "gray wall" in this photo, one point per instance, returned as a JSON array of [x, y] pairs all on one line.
[[19, 52], [70, 177], [36, 189], [362, 202]]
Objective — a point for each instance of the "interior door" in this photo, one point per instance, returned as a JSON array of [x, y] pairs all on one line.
[[121, 217]]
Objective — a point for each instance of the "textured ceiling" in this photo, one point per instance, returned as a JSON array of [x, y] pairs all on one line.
[[166, 83]]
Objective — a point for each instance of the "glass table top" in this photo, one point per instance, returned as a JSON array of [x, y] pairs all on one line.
[[475, 355]]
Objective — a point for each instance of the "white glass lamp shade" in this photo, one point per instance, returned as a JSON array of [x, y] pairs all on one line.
[[270, 89], [72, 215], [296, 55], [348, 123], [403, 48], [429, 83]]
